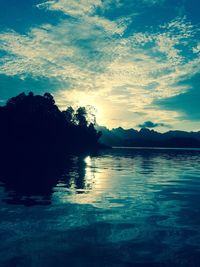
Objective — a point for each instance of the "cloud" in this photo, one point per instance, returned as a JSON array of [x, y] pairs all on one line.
[[74, 8], [150, 124], [98, 59], [186, 103], [13, 85], [22, 15]]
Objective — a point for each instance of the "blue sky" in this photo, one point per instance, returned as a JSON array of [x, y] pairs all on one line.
[[136, 61]]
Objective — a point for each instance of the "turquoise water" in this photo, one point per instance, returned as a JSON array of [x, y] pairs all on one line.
[[121, 207]]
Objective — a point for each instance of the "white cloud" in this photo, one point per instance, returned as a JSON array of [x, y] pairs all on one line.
[[72, 7], [101, 66], [180, 28], [196, 49]]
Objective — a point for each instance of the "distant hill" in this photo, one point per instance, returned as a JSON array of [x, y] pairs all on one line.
[[149, 138]]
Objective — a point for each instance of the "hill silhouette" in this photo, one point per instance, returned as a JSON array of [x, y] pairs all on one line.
[[149, 138]]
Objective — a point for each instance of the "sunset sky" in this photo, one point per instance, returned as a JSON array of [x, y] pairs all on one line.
[[135, 61]]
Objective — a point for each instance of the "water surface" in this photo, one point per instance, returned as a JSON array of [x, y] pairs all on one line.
[[122, 207]]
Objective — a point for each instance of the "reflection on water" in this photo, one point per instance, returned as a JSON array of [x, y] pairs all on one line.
[[122, 207]]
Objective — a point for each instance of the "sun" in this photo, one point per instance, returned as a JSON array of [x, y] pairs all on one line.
[[106, 111]]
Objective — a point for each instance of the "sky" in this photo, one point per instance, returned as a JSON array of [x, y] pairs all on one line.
[[136, 61]]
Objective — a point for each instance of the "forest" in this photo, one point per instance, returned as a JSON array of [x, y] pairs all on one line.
[[36, 133]]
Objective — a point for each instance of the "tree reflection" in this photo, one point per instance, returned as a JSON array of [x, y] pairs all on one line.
[[32, 184]]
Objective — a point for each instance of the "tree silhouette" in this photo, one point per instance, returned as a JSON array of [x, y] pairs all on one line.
[[33, 127], [80, 116], [69, 115]]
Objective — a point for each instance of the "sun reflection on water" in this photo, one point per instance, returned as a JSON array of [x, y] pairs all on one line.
[[140, 205]]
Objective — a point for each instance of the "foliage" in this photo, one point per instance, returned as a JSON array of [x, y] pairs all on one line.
[[34, 124]]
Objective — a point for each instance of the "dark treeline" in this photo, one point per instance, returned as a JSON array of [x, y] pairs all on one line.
[[35, 122], [35, 132]]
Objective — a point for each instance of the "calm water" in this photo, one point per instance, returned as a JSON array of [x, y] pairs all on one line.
[[123, 207]]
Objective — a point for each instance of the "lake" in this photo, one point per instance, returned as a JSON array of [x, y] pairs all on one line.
[[120, 207]]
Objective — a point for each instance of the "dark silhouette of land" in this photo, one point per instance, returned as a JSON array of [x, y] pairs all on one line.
[[34, 123], [149, 138], [36, 139]]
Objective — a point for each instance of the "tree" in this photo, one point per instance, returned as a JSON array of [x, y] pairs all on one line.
[[34, 123], [49, 97], [91, 114], [16, 100], [80, 116], [69, 114]]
